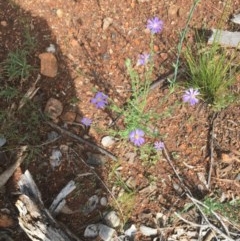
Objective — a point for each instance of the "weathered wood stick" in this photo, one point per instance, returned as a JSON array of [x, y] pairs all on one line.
[[36, 221], [59, 202], [9, 172]]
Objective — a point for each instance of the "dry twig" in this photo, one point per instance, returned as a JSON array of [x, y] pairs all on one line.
[[213, 227], [197, 203], [80, 139], [109, 191], [30, 93], [211, 150]]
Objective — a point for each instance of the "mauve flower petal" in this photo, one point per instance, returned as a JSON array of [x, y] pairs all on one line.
[[155, 25], [136, 137], [190, 96]]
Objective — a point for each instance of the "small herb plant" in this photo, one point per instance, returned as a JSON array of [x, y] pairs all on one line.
[[136, 119], [16, 65], [227, 209]]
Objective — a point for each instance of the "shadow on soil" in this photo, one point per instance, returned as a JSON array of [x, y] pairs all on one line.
[[27, 127]]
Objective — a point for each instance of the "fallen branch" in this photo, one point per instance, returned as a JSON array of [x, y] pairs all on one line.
[[100, 179], [9, 172], [197, 203], [213, 227], [211, 150], [36, 221], [167, 156], [81, 140], [59, 202]]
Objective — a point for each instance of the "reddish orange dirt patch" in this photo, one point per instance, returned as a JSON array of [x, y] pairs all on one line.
[[90, 58]]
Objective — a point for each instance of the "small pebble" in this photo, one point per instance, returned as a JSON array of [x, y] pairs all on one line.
[[103, 201], [55, 159], [4, 23], [51, 48], [106, 23], [107, 141], [112, 219], [60, 13]]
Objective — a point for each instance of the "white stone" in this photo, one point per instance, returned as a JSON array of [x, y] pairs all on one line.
[[225, 38], [147, 231], [55, 158], [51, 48], [103, 201], [106, 233], [112, 219], [91, 231], [236, 19], [131, 231], [107, 141]]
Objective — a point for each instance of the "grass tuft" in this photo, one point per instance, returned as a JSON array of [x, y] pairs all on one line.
[[211, 70], [16, 65]]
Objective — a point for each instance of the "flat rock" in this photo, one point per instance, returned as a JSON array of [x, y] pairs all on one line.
[[130, 232], [236, 19], [91, 231], [53, 108], [147, 231], [49, 65], [225, 38], [106, 233], [112, 219]]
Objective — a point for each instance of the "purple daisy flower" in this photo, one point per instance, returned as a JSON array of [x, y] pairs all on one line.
[[86, 121], [143, 59], [155, 25], [100, 100], [159, 145], [190, 96], [137, 137]]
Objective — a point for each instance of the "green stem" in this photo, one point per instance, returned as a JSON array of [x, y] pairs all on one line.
[[183, 34]]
